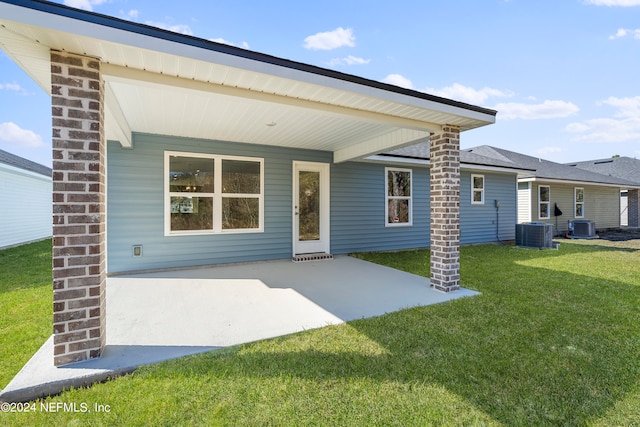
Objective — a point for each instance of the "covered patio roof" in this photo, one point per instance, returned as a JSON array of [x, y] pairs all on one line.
[[161, 82]]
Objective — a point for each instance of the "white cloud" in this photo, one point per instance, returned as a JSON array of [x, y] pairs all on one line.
[[577, 127], [468, 94], [623, 3], [349, 60], [606, 130], [627, 107], [330, 39], [179, 28], [398, 80], [456, 91], [549, 109], [132, 14], [623, 32], [11, 86], [544, 151], [625, 126], [84, 4], [12, 134], [243, 45]]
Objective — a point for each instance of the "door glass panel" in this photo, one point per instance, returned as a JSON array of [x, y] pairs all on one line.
[[309, 205]]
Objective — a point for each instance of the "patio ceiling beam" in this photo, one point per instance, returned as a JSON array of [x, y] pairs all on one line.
[[114, 115], [396, 139], [126, 75]]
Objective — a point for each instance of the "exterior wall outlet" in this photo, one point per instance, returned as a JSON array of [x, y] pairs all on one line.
[[137, 251]]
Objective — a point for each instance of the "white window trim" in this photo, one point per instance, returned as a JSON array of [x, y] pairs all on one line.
[[387, 198], [217, 195], [548, 203], [481, 190], [576, 203]]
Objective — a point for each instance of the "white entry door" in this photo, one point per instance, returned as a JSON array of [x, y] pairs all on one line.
[[310, 207]]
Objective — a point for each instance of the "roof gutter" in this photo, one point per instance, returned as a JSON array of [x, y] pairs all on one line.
[[409, 160], [573, 182]]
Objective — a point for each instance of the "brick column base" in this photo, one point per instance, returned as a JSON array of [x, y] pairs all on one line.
[[78, 208], [445, 209]]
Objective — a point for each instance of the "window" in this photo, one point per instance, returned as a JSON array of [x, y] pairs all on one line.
[[398, 197], [544, 202], [579, 202], [477, 189], [213, 194]]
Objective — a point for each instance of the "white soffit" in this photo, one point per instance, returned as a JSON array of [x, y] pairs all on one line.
[[165, 87]]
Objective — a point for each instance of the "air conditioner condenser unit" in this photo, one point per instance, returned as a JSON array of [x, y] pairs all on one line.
[[582, 229], [534, 235]]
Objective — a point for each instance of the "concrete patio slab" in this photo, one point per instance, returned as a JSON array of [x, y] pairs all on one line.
[[163, 315]]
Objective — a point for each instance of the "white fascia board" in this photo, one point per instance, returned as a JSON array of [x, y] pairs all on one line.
[[570, 182], [14, 170], [397, 160], [488, 168]]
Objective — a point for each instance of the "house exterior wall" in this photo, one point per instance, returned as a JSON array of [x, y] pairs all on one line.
[[480, 223], [27, 206], [135, 205], [358, 212], [601, 204]]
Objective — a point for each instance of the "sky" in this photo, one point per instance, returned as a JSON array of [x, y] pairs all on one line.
[[564, 75]]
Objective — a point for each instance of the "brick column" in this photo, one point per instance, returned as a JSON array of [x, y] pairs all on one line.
[[633, 208], [78, 208], [445, 209]]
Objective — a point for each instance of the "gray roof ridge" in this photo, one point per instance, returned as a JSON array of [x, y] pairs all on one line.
[[552, 170], [494, 150]]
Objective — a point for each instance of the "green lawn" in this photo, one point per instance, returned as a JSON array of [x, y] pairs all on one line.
[[26, 306], [554, 339]]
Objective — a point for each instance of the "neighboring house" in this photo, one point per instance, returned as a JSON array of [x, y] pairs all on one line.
[[579, 194], [624, 168], [175, 151], [25, 191]]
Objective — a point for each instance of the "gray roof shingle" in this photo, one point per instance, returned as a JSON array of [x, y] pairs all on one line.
[[22, 163], [619, 167], [421, 151], [545, 169]]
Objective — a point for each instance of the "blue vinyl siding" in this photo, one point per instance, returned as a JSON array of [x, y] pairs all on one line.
[[358, 211], [135, 206], [484, 223]]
